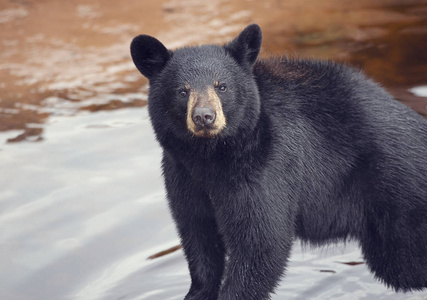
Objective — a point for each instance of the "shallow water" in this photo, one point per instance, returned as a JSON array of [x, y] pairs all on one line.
[[81, 196], [84, 209]]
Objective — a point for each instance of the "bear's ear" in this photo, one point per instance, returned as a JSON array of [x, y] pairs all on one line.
[[149, 55], [245, 48]]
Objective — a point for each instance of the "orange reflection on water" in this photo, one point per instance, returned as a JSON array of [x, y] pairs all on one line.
[[62, 57]]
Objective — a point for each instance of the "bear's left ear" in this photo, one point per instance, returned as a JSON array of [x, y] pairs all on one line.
[[149, 55], [245, 48]]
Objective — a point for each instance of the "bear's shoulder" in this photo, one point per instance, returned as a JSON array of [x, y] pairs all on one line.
[[286, 82], [302, 70]]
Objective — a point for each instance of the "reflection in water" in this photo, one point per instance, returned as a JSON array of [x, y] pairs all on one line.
[[78, 52]]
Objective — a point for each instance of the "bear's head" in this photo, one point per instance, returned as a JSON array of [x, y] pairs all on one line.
[[205, 92]]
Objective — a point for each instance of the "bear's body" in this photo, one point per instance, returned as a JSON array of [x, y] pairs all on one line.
[[258, 153]]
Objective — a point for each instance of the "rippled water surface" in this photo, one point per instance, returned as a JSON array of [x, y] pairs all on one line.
[[82, 204]]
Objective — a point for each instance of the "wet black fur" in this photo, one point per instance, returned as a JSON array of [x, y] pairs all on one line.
[[312, 150]]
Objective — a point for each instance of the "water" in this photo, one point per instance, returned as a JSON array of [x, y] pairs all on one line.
[[82, 204]]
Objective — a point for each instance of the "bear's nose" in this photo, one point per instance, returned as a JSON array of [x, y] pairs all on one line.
[[203, 116]]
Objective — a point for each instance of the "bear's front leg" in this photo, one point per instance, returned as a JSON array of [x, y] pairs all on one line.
[[205, 255], [258, 232], [194, 218]]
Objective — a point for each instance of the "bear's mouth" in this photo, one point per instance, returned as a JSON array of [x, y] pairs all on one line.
[[205, 131]]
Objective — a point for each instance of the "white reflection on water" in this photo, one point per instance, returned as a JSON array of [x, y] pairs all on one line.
[[81, 211], [420, 91]]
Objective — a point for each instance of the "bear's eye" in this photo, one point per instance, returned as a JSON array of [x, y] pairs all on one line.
[[222, 88], [182, 93]]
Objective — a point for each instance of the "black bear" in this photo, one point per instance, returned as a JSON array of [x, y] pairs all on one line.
[[260, 152]]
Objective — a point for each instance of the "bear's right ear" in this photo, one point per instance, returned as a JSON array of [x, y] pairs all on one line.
[[149, 55]]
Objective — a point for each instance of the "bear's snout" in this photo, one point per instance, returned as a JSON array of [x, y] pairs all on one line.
[[203, 116]]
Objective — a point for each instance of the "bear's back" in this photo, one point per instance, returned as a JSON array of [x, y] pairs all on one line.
[[338, 101]]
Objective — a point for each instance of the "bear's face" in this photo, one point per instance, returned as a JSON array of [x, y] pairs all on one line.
[[200, 92], [202, 89]]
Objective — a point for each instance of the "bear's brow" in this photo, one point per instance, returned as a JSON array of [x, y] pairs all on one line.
[[201, 76], [215, 84]]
